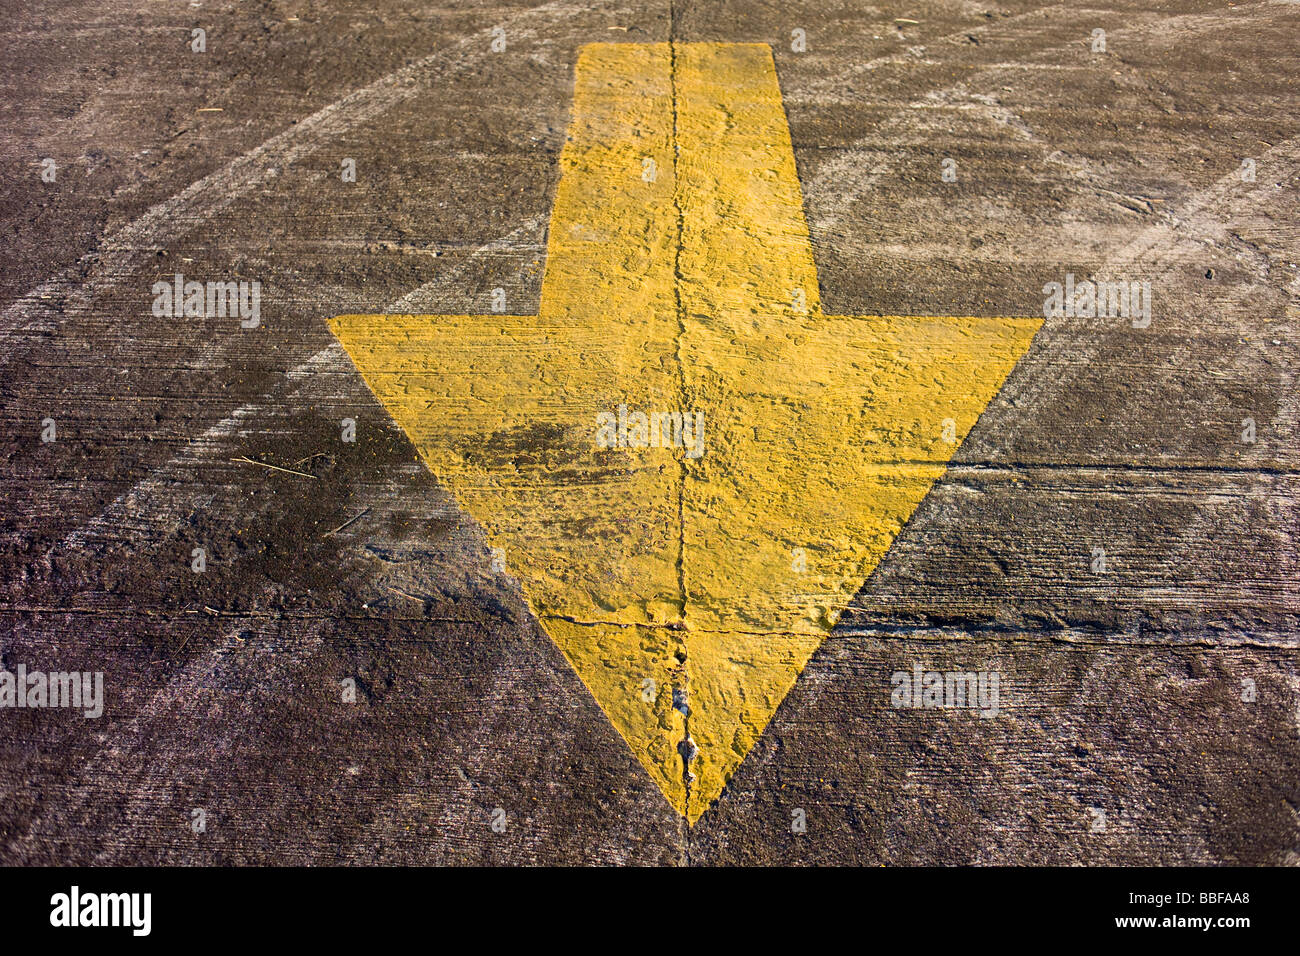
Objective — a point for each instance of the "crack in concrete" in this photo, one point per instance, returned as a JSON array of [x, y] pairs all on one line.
[[686, 746]]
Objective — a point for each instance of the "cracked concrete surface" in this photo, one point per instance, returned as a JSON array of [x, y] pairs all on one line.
[[1124, 690]]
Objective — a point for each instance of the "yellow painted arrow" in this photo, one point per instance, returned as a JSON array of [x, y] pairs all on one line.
[[687, 566]]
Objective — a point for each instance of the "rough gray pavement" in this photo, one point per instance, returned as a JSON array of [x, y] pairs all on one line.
[[1123, 691]]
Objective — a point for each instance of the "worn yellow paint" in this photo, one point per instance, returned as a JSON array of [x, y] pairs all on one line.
[[691, 290]]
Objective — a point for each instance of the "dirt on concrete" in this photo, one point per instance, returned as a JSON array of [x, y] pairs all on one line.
[[1150, 704]]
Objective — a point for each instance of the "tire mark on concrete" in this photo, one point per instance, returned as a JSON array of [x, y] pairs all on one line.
[[43, 309], [837, 184], [133, 752], [147, 495]]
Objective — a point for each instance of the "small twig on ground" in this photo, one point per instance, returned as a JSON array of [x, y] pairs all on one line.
[[346, 523], [287, 471]]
